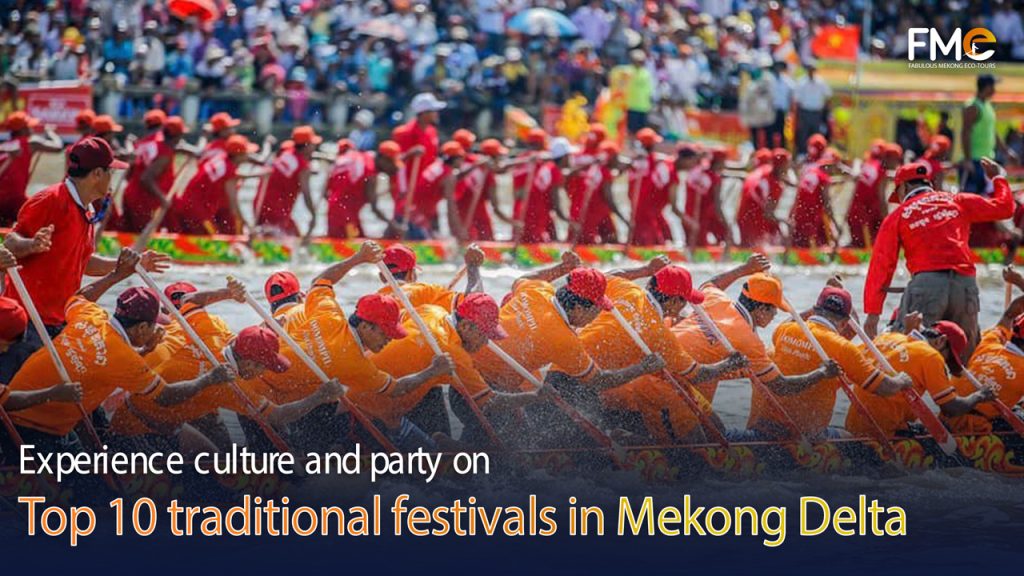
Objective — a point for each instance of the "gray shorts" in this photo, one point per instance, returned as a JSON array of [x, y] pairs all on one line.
[[944, 295]]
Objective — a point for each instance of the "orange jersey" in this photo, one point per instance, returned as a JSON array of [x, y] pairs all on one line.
[[736, 324], [539, 335], [996, 362], [422, 294], [811, 409], [143, 415], [924, 364], [412, 354], [97, 354], [323, 332], [175, 338]]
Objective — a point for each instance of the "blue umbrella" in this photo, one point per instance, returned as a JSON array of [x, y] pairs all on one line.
[[542, 22]]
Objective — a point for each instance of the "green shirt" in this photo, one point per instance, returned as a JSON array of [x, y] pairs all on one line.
[[983, 132], [639, 89]]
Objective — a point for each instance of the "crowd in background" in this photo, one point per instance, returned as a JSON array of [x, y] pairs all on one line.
[[379, 52]]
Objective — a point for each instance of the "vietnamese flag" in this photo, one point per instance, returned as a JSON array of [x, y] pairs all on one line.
[[836, 42]]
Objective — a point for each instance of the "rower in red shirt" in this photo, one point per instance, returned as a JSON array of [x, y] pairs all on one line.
[[418, 137], [53, 242], [437, 183], [703, 216], [16, 164], [289, 177], [352, 183], [935, 157], [220, 127], [869, 206], [651, 180], [931, 228], [151, 176], [816, 146], [756, 219], [209, 204], [475, 191], [83, 123], [811, 217]]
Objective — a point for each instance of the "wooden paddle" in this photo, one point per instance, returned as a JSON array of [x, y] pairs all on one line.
[[457, 383], [37, 321], [343, 400], [1007, 414], [251, 408], [847, 388], [411, 179], [710, 427], [634, 202], [459, 275], [931, 422]]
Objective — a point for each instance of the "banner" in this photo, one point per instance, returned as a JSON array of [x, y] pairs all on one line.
[[836, 42], [56, 103]]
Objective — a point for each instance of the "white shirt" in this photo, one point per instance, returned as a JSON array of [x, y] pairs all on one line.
[[783, 94], [812, 95]]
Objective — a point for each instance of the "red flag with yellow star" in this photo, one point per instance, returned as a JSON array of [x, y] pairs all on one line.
[[836, 42]]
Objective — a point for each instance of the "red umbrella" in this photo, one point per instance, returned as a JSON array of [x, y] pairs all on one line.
[[204, 10]]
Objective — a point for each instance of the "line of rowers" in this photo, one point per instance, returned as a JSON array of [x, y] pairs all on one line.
[[559, 323], [462, 174]]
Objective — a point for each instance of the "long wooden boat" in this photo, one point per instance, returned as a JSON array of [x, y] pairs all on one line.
[[268, 250]]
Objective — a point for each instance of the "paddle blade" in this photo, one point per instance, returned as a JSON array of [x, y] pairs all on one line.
[[931, 422]]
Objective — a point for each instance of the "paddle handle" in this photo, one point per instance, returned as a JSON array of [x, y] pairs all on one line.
[[1007, 295], [37, 321], [806, 330], [1005, 411], [631, 331], [881, 359], [459, 275]]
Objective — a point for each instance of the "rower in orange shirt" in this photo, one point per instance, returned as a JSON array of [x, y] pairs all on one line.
[[459, 334], [928, 357], [102, 352], [401, 261], [665, 416], [756, 307], [810, 404]]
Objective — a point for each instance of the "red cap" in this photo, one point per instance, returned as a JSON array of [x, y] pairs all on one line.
[[877, 147], [345, 145], [13, 320], [648, 137], [892, 150], [91, 153], [464, 137], [260, 344], [390, 148], [142, 304], [85, 117], [590, 284], [817, 142], [305, 135], [286, 145], [492, 147], [175, 126], [384, 312], [955, 336], [104, 123], [835, 300], [609, 147], [221, 121], [939, 144], [238, 144], [719, 154], [153, 118], [907, 173], [1018, 327], [399, 258], [20, 120], [780, 156], [482, 310], [676, 281], [537, 136], [177, 290], [452, 148], [762, 156], [287, 284], [830, 157]]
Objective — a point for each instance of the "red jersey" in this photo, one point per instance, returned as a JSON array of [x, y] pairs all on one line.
[[760, 188], [14, 181], [932, 228], [139, 204], [472, 188], [205, 199], [53, 277], [808, 213], [652, 180], [346, 193], [276, 195], [429, 193], [586, 188], [703, 186], [411, 134], [864, 216], [214, 148], [538, 226]]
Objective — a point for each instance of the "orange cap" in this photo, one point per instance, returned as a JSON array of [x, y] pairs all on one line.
[[492, 147], [221, 121], [464, 137], [175, 126], [719, 154], [765, 289], [345, 144], [609, 147], [286, 145], [892, 150], [302, 135], [877, 147], [104, 123], [390, 148], [598, 129], [537, 136], [238, 144], [648, 137], [762, 156], [85, 117], [20, 120], [452, 148], [817, 141], [153, 118], [780, 156], [940, 143]]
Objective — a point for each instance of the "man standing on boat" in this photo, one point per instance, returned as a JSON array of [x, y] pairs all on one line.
[[932, 228]]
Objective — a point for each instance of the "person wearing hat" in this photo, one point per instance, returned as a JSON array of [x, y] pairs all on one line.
[[437, 182], [83, 122], [419, 135], [352, 184], [979, 137], [220, 128], [703, 216], [189, 300], [209, 204], [816, 145], [475, 191], [811, 220], [102, 352], [652, 180], [150, 175], [16, 161], [105, 127], [665, 416], [998, 362], [585, 182], [533, 222], [935, 157], [53, 241], [152, 124], [401, 261], [289, 177], [932, 228], [811, 402], [363, 137], [755, 217], [868, 207], [739, 319]]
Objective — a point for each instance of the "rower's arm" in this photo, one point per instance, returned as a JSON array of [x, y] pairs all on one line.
[[23, 399], [172, 394], [122, 268], [149, 179], [790, 385], [369, 253], [649, 269], [282, 415], [756, 263], [709, 372], [606, 379], [235, 290], [473, 259], [570, 261], [961, 405]]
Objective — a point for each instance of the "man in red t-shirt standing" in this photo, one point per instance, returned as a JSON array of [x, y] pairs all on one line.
[[53, 242], [16, 162], [289, 177], [418, 137], [932, 228]]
